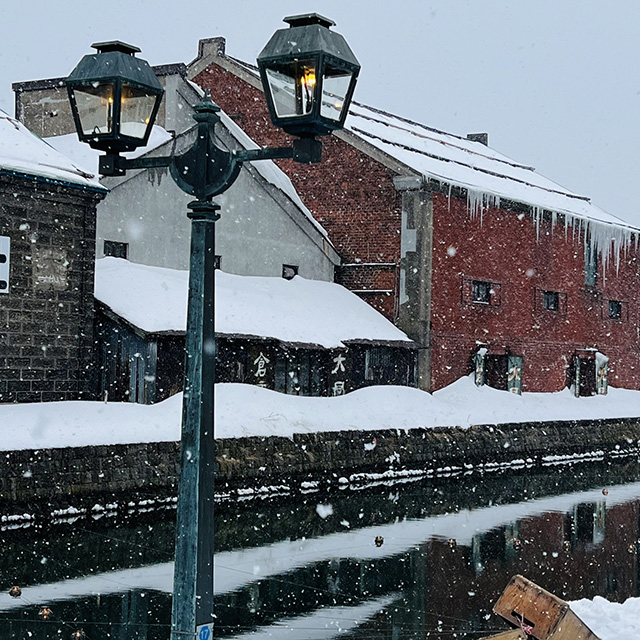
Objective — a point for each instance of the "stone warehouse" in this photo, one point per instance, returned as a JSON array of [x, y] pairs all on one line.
[[47, 254]]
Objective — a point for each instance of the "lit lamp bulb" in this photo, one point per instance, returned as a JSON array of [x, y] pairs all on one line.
[[309, 78], [307, 84]]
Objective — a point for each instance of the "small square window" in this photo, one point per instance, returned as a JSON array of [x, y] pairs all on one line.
[[481, 291], [289, 271], [116, 249], [615, 309], [550, 300]]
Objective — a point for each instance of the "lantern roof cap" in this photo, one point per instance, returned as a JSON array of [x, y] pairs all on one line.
[[308, 34], [306, 19], [116, 45], [115, 60]]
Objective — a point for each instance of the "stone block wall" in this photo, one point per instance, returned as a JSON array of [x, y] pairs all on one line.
[[46, 318], [77, 472], [77, 475]]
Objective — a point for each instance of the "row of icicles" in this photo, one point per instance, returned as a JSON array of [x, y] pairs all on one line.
[[602, 239]]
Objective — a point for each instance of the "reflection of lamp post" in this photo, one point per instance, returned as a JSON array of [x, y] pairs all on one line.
[[309, 75]]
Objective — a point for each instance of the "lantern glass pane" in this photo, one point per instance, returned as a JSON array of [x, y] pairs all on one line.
[[335, 85], [95, 108], [136, 111], [292, 88]]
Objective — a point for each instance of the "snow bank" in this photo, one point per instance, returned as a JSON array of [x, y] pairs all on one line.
[[245, 410], [299, 310], [610, 620]]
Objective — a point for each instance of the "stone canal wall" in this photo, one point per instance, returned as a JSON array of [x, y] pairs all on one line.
[[251, 464]]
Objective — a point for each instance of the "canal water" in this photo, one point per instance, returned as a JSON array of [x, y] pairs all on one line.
[[422, 559]]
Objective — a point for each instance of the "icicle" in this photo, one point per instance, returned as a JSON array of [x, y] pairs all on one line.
[[478, 202], [537, 216]]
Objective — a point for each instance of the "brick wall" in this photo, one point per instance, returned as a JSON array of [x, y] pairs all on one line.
[[46, 319], [349, 193], [503, 248]]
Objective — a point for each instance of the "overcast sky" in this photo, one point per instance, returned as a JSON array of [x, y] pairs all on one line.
[[555, 83]]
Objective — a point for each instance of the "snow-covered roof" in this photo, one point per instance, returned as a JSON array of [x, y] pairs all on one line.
[[488, 176], [299, 310], [469, 164], [24, 152]]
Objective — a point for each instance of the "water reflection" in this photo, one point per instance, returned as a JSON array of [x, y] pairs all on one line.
[[448, 548]]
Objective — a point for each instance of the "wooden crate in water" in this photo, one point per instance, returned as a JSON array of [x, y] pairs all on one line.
[[541, 614]]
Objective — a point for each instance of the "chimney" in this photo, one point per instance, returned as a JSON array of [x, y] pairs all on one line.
[[482, 138], [211, 47]]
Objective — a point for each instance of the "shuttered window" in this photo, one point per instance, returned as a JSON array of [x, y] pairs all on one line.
[[5, 244]]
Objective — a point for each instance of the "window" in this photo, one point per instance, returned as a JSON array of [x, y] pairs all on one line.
[[550, 300], [289, 271], [589, 374], [481, 291], [501, 371], [300, 372], [217, 260], [116, 249], [615, 309]]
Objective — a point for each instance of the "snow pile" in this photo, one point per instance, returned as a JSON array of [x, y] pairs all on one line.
[[24, 152], [246, 410], [298, 310], [610, 620]]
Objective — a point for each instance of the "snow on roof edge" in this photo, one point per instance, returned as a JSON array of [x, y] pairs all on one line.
[[23, 152]]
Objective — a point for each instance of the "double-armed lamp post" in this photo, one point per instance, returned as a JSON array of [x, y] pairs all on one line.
[[308, 73]]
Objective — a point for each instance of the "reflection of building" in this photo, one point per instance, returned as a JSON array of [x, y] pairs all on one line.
[[577, 550], [297, 568], [464, 248], [47, 231], [297, 336]]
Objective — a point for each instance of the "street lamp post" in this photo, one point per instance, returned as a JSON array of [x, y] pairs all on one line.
[[308, 74]]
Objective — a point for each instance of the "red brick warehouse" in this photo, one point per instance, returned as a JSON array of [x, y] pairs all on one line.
[[486, 264]]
